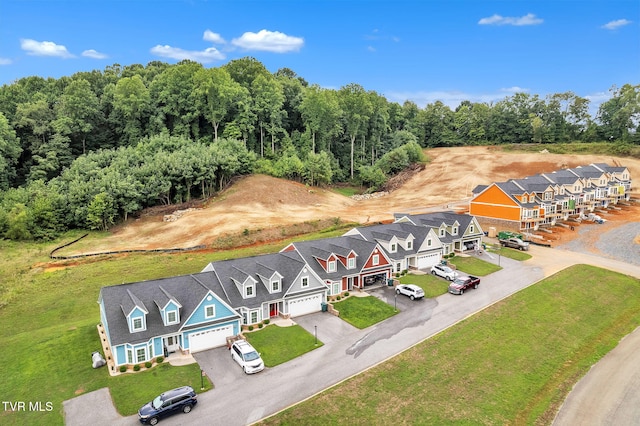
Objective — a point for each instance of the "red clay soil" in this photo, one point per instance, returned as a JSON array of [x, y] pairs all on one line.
[[260, 202]]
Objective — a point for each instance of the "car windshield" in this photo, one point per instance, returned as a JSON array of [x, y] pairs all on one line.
[[157, 403], [251, 356]]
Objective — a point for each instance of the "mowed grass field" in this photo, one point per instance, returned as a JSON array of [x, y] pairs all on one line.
[[512, 363]]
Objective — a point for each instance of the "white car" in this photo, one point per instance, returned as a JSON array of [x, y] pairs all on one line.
[[247, 357], [444, 272], [411, 290]]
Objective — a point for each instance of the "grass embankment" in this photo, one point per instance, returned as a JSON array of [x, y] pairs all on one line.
[[595, 148], [512, 363], [48, 321]]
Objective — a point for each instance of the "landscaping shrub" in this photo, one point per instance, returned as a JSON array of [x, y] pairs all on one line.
[[148, 364], [123, 368], [160, 359], [267, 321], [250, 328], [260, 325], [346, 294], [136, 367]]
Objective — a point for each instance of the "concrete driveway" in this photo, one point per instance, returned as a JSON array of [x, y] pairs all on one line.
[[239, 399]]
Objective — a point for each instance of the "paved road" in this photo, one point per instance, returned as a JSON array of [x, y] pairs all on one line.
[[239, 400]]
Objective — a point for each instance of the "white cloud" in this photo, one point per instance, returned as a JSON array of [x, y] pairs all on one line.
[[5, 61], [614, 25], [371, 48], [270, 41], [528, 19], [44, 48], [94, 54], [514, 89], [213, 37], [203, 56]]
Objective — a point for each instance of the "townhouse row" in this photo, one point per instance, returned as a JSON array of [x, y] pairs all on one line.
[[544, 199], [196, 312]]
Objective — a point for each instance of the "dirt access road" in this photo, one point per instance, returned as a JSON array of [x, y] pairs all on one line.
[[260, 202]]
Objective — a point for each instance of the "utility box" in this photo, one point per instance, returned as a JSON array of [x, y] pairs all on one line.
[[492, 232]]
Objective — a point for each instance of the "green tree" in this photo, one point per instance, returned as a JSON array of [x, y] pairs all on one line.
[[620, 115], [268, 101], [79, 108], [357, 109], [219, 93], [101, 212], [321, 113], [18, 223], [131, 108], [317, 169], [9, 153]]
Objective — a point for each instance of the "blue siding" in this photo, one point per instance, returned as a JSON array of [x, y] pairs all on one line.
[[198, 316], [120, 355], [136, 313], [157, 346]]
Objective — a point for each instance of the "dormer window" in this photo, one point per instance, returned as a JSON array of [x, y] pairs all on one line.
[[394, 248], [249, 291], [442, 232], [455, 230], [409, 245], [351, 263], [137, 324], [532, 198], [331, 266], [172, 317], [209, 311], [275, 285], [305, 282]]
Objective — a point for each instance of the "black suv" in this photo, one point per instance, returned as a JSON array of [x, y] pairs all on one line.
[[170, 402]]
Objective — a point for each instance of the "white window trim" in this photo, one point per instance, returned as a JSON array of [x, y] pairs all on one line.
[[331, 266], [454, 231], [394, 248], [144, 354], [275, 285], [375, 260], [177, 320], [143, 325], [304, 282], [249, 288], [206, 308], [409, 245], [351, 263], [257, 315]]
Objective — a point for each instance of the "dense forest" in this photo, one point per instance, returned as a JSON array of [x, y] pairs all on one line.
[[87, 151]]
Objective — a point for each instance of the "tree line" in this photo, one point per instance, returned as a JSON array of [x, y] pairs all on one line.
[[88, 150]]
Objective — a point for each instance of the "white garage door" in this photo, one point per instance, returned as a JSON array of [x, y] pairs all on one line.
[[210, 338], [305, 305], [428, 260]]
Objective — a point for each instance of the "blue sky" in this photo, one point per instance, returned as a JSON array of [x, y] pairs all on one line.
[[428, 50]]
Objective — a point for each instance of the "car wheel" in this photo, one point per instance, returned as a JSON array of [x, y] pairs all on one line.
[[475, 286], [245, 370], [397, 291], [449, 279], [153, 421], [461, 291], [412, 297], [186, 409]]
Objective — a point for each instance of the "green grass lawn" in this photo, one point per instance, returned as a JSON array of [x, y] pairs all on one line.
[[48, 322], [432, 286], [362, 312], [474, 266], [281, 344], [348, 191], [508, 252], [512, 363]]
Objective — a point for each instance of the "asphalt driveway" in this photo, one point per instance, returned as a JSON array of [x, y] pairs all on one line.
[[238, 399]]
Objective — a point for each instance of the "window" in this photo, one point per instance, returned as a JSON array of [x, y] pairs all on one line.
[[137, 324], [376, 259], [275, 285], [209, 311], [305, 281], [393, 248], [331, 266], [455, 230], [254, 317], [442, 232], [141, 355], [336, 288], [409, 245], [429, 242], [150, 348], [471, 229], [129, 356], [172, 317], [248, 291], [351, 263]]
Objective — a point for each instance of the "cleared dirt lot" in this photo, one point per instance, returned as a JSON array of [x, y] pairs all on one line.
[[260, 202]]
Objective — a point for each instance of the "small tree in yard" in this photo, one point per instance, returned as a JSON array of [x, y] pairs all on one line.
[[101, 212]]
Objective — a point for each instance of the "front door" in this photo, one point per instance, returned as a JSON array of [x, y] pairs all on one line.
[[171, 343], [273, 310]]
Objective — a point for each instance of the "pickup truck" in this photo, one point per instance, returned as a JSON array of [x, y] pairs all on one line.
[[515, 243], [462, 283]]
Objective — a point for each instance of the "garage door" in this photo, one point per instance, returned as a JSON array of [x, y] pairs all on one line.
[[210, 338], [305, 305], [428, 260]]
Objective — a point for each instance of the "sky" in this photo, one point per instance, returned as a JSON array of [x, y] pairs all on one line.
[[418, 50]]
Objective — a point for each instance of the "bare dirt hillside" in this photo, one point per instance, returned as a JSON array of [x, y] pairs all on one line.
[[259, 202]]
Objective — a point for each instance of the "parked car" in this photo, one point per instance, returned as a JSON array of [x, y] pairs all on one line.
[[170, 402], [515, 243], [411, 290], [444, 272], [247, 357], [462, 283]]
